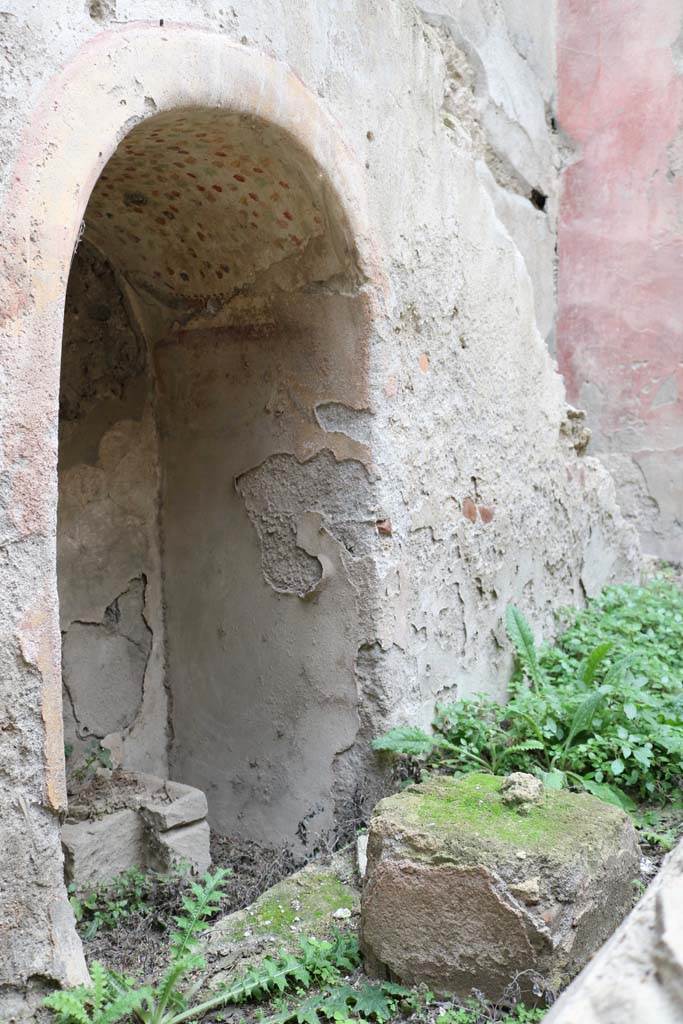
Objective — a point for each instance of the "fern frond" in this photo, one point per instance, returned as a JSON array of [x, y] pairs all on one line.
[[519, 632], [520, 748], [98, 992], [199, 908], [70, 1007], [405, 739]]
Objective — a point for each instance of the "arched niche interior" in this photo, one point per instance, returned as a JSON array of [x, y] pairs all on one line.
[[215, 513]]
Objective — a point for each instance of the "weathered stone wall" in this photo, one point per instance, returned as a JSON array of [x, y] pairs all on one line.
[[621, 249], [480, 494], [108, 561]]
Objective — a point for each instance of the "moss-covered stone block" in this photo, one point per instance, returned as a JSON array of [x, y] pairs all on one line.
[[303, 904], [464, 890]]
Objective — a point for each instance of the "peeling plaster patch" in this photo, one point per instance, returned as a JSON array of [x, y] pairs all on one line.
[[104, 665], [667, 392], [343, 419], [101, 354], [281, 491], [374, 663]]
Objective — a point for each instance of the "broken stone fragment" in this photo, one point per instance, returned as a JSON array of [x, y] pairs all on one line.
[[522, 791], [529, 891], [186, 844], [463, 892], [172, 805]]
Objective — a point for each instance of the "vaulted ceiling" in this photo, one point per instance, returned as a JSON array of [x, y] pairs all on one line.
[[194, 204]]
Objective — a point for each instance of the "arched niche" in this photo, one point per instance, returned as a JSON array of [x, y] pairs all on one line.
[[216, 508], [113, 84]]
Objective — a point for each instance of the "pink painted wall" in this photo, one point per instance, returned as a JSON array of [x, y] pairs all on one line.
[[620, 323]]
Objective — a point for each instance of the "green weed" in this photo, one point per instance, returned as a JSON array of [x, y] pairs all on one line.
[[601, 709], [108, 904], [174, 999]]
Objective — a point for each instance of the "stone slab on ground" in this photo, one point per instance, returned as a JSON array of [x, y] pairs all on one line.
[[463, 891], [303, 904], [637, 975], [103, 847]]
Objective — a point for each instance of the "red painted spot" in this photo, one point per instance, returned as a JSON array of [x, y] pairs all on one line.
[[287, 214], [486, 513], [201, 237], [284, 184], [160, 220], [217, 188], [469, 510], [257, 170], [239, 177], [191, 175], [200, 188], [253, 195]]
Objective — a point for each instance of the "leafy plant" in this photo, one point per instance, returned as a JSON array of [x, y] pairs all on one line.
[[111, 902], [103, 1002], [173, 1000], [476, 1011], [343, 1002], [601, 710], [95, 756], [522, 640]]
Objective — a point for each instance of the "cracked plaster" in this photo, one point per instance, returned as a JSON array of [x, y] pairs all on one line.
[[418, 308]]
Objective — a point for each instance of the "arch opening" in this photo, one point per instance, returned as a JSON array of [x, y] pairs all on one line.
[[216, 511]]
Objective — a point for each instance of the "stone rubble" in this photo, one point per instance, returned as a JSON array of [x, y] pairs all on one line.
[[134, 820]]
